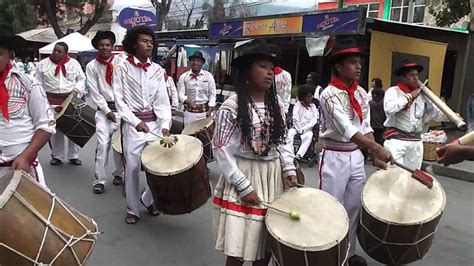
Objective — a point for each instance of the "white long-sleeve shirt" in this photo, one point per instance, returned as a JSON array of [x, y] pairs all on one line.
[[283, 87], [197, 89], [304, 118], [410, 119], [137, 90], [172, 92], [340, 121], [29, 111], [227, 145], [74, 79], [101, 92]]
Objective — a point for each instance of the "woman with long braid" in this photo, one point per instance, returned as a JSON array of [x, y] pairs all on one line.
[[248, 145]]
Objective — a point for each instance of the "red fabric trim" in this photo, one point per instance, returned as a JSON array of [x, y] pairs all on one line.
[[320, 171], [4, 96], [110, 68], [348, 50], [410, 65], [61, 66], [278, 70], [405, 88], [238, 208], [339, 150], [141, 65]]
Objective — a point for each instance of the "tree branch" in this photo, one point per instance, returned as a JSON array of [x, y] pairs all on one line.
[[99, 11], [51, 13]]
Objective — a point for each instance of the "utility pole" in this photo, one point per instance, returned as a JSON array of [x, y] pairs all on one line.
[[340, 3]]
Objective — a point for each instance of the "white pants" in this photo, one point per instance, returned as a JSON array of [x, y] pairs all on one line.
[[57, 147], [36, 171], [306, 138], [408, 153], [342, 175], [191, 117], [133, 143], [105, 129]]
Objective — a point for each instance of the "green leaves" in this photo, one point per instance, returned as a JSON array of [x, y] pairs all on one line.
[[451, 11]]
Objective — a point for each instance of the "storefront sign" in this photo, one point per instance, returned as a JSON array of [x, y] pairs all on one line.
[[274, 26], [131, 17], [336, 22], [226, 29]]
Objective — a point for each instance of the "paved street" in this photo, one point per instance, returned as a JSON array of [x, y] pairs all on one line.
[[187, 239]]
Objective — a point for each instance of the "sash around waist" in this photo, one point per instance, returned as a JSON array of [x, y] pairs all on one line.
[[111, 106], [146, 116], [57, 98], [395, 133], [334, 145]]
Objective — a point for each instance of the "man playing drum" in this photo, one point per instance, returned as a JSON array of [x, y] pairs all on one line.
[[26, 118], [197, 90], [99, 78], [143, 104], [345, 130], [406, 111], [61, 75]]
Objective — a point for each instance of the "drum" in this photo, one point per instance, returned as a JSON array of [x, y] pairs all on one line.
[[38, 228], [177, 175], [117, 141], [76, 120], [399, 216], [319, 237], [203, 130]]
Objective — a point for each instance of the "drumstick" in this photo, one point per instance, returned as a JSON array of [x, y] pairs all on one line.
[[168, 141], [420, 176], [294, 215]]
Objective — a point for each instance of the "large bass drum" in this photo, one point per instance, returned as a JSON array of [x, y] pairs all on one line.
[[203, 130], [38, 228], [318, 238], [399, 216], [177, 175]]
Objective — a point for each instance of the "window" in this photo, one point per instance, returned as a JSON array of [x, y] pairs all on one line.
[[412, 11], [372, 9]]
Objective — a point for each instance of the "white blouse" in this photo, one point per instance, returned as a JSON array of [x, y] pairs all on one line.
[[304, 118], [227, 145]]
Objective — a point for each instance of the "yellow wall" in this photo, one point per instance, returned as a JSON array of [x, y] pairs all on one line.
[[383, 44]]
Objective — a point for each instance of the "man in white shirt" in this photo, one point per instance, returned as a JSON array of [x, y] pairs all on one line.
[[282, 79], [407, 110], [61, 75], [172, 93], [197, 90], [99, 78], [345, 131], [26, 118], [143, 104]]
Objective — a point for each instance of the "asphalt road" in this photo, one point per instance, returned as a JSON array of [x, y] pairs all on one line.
[[187, 239]]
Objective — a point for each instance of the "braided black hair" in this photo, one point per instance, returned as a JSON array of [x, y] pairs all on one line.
[[244, 112]]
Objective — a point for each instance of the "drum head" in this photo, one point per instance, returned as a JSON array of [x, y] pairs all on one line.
[[197, 126], [117, 141], [393, 196], [323, 220], [162, 161]]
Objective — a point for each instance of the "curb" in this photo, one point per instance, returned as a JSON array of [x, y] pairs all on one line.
[[451, 172]]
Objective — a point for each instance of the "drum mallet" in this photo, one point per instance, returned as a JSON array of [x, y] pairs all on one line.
[[419, 175], [294, 215]]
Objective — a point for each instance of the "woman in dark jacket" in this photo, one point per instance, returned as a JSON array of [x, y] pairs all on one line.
[[377, 114]]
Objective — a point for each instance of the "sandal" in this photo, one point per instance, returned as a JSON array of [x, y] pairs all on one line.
[[152, 211], [131, 219], [99, 188], [118, 180]]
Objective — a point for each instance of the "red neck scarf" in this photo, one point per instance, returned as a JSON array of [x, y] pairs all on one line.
[[110, 67], [4, 92], [405, 88], [61, 66], [141, 65], [278, 70], [338, 83]]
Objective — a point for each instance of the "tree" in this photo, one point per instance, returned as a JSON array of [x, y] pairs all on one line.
[[162, 9], [450, 11], [18, 14], [59, 8]]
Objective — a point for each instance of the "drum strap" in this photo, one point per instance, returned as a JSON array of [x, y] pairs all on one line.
[[147, 116], [56, 98]]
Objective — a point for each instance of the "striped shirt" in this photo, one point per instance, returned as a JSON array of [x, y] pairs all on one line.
[[197, 89]]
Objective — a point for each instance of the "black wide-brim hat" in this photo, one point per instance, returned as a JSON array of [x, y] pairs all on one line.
[[345, 48], [8, 39], [406, 66], [257, 48], [197, 54], [101, 35]]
